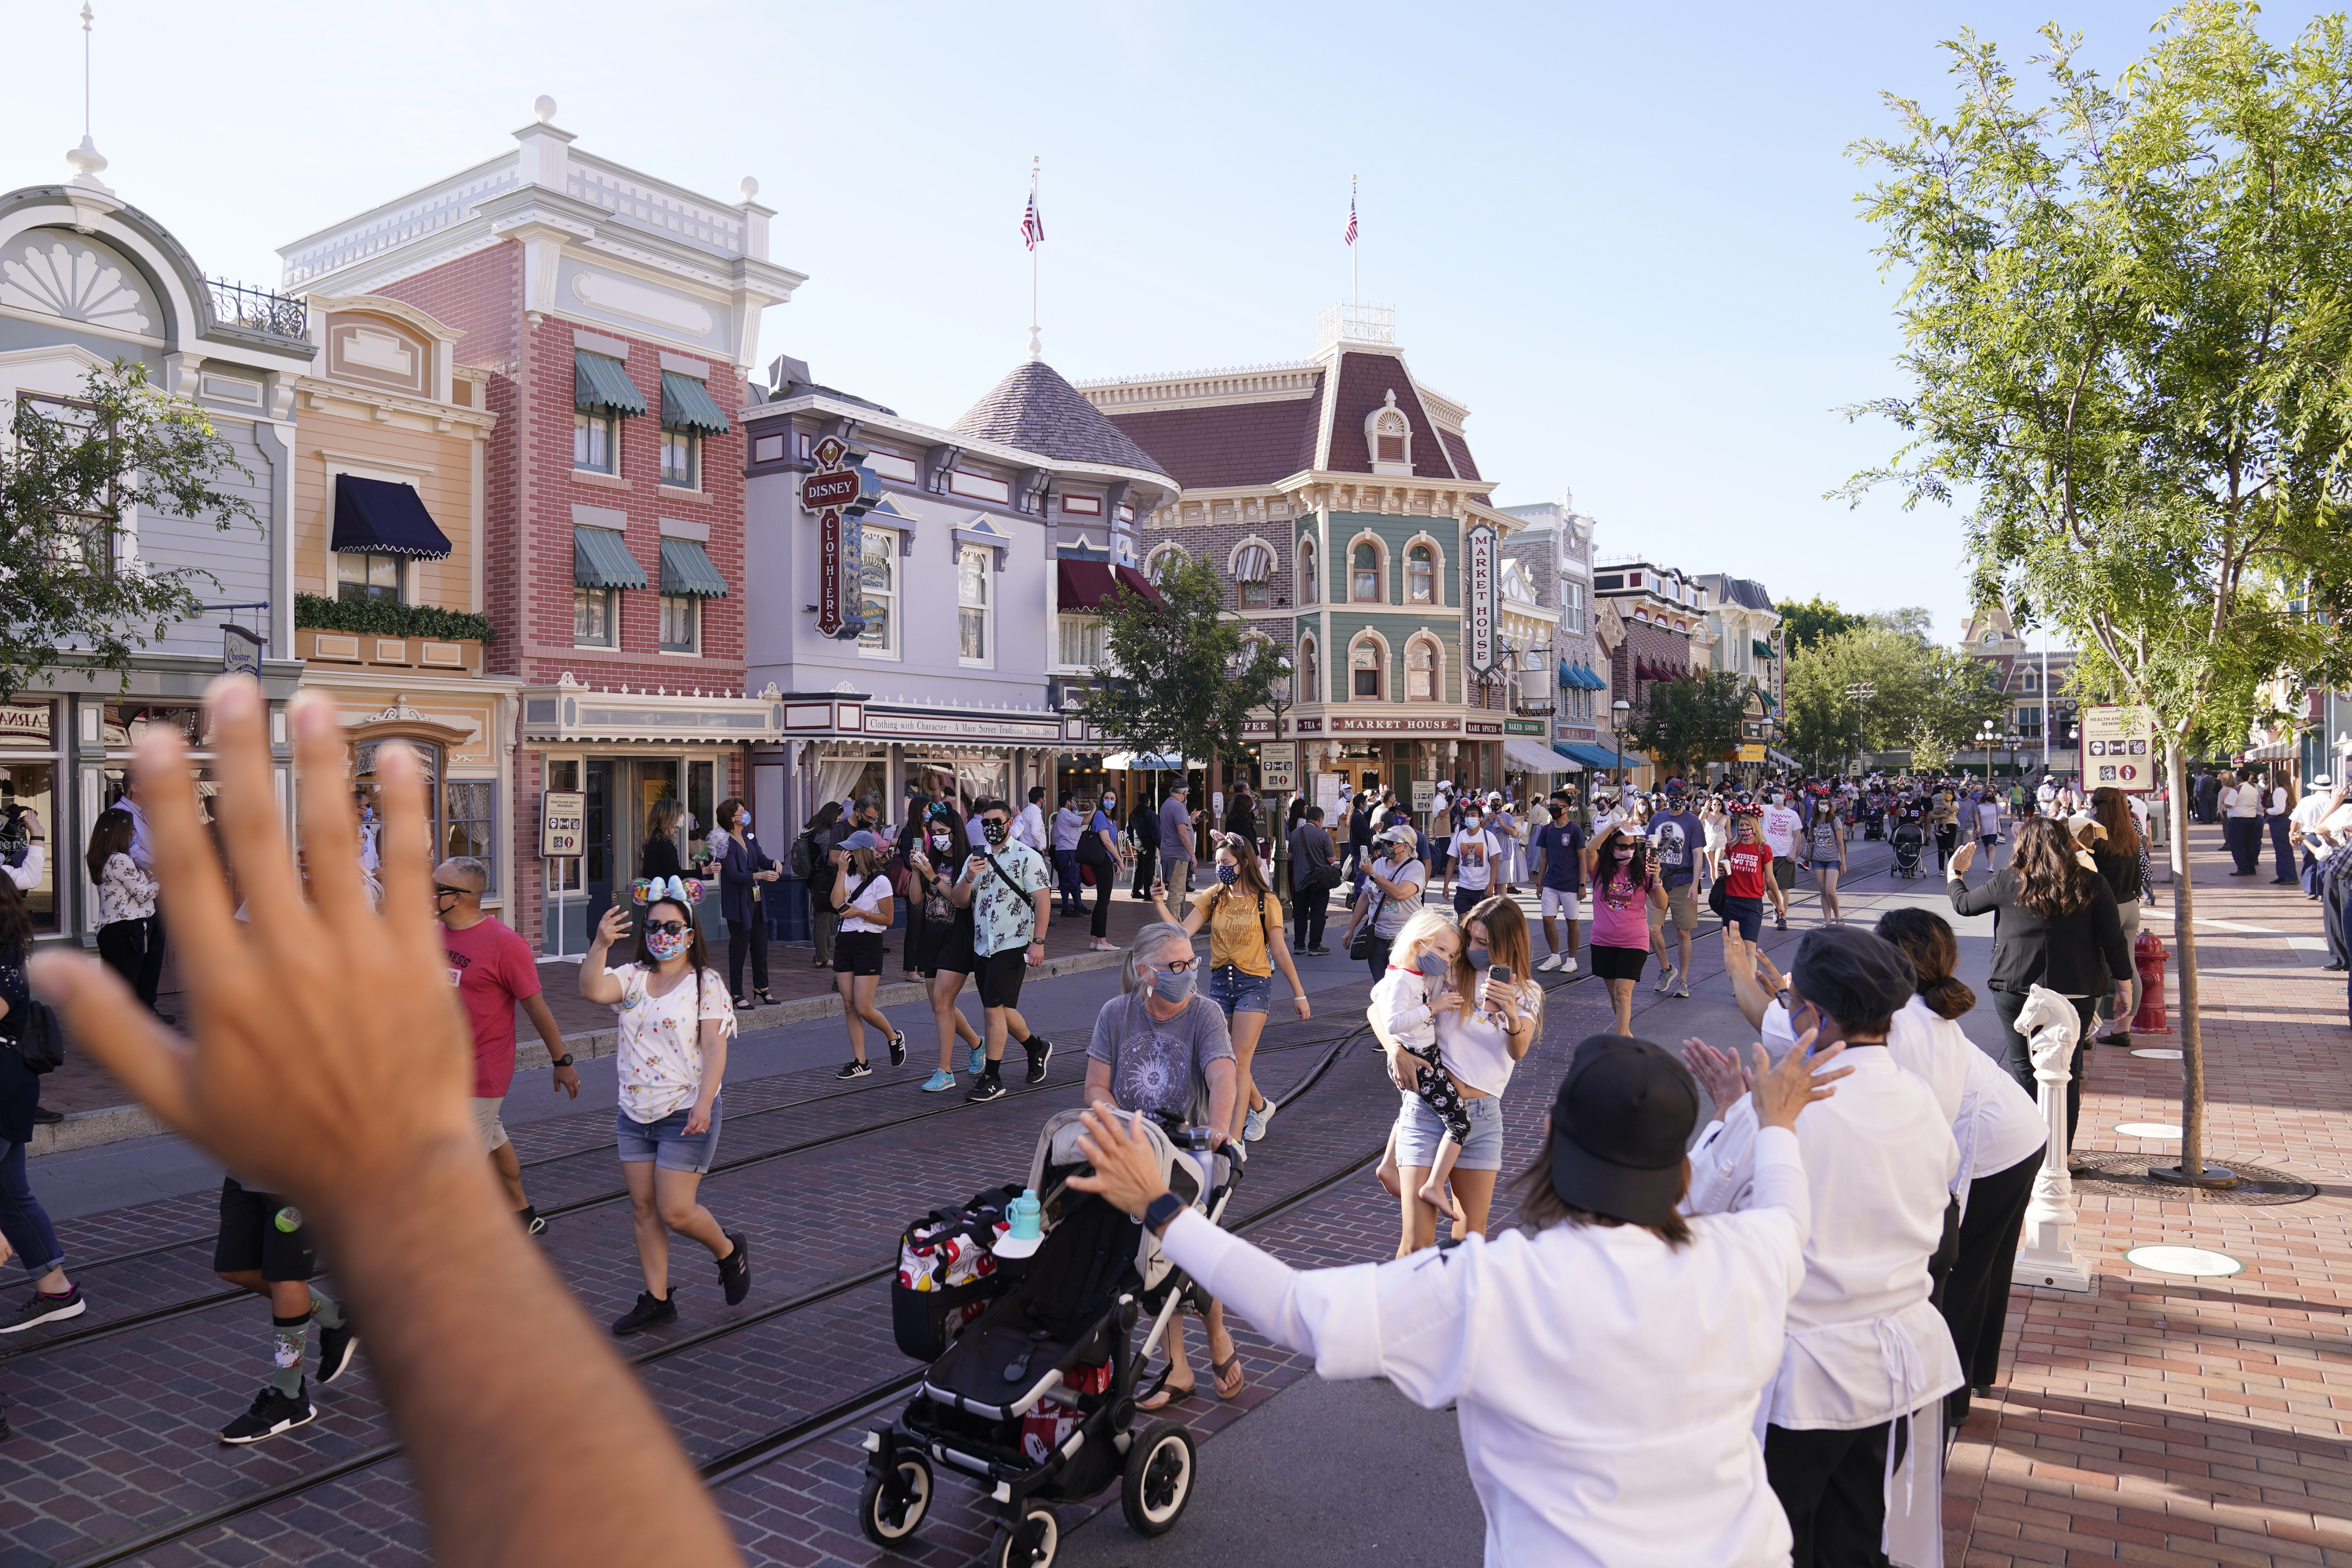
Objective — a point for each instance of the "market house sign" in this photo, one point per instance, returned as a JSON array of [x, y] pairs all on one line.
[[1485, 582]]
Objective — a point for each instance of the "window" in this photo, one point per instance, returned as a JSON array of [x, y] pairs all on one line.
[[1258, 596], [973, 640], [84, 539], [367, 578], [1364, 658], [472, 830], [1082, 506], [1310, 584], [681, 458], [1419, 576], [595, 618], [1086, 644], [1571, 605], [1159, 562], [1364, 578], [877, 592], [594, 440], [1420, 672], [681, 623]]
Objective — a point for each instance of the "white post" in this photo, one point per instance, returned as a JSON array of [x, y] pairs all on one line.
[[555, 894], [2045, 1255]]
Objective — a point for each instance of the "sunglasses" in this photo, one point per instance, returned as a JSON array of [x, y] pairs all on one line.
[[667, 928], [440, 891], [1178, 966]]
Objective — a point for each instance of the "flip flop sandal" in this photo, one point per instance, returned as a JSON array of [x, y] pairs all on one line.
[[1160, 1396], [1232, 1363]]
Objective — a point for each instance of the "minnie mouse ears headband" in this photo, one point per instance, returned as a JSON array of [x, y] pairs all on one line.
[[646, 889]]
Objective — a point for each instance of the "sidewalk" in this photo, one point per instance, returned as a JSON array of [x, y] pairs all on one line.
[[2178, 1420]]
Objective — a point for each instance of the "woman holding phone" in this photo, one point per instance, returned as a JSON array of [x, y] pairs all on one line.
[[1489, 1020]]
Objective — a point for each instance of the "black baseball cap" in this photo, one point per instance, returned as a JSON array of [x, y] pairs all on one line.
[[1619, 1126]]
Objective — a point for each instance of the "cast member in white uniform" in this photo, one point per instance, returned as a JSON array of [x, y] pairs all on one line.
[[1866, 1348], [1605, 1366]]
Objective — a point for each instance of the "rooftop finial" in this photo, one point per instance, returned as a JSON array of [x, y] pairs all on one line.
[[748, 188], [543, 107], [85, 159]]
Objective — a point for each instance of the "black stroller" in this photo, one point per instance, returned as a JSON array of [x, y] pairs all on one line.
[[1035, 1397], [1910, 840]]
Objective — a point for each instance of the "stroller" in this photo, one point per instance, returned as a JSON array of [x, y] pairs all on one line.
[[1909, 839], [1033, 1362]]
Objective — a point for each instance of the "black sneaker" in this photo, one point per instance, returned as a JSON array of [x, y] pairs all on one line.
[[990, 1086], [650, 1309], [854, 1070], [1041, 1051], [44, 1116], [45, 1309], [336, 1348], [531, 1224], [735, 1271], [898, 1050], [272, 1413]]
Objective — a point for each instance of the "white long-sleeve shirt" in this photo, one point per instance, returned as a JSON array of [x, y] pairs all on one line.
[[28, 876], [1994, 1120], [1400, 1009], [1605, 1380], [1029, 828]]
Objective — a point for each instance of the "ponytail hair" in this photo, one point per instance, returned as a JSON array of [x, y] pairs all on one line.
[[1925, 938]]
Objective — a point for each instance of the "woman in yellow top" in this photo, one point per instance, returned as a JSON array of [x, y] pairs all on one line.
[[1248, 937]]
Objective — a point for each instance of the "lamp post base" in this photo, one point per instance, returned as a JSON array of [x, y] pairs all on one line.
[[2215, 1178]]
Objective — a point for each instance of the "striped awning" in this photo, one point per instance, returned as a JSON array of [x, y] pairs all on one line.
[[1254, 564], [686, 404], [1760, 649], [599, 382], [687, 569], [601, 559]]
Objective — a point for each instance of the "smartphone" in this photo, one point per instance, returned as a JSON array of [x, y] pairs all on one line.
[[1500, 975]]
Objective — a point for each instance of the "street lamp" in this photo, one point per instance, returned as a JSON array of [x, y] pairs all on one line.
[[1987, 733], [1859, 694], [1617, 712]]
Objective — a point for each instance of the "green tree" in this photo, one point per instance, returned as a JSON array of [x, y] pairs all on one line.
[[2127, 321], [1181, 676], [76, 469], [1917, 686], [1814, 622], [1691, 721]]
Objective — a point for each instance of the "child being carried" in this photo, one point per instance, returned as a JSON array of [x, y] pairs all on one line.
[[1420, 972]]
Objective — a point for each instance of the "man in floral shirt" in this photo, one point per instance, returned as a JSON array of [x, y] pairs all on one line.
[[1008, 888]]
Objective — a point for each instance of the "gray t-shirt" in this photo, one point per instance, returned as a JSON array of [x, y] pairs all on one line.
[[1175, 819], [1390, 917], [1154, 1062]]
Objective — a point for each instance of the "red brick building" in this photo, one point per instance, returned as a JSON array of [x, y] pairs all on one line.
[[616, 315]]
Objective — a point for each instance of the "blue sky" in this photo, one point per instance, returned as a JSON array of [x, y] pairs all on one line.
[[1625, 236]]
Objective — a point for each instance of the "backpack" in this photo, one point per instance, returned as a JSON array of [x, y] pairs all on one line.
[[803, 856], [39, 1040]]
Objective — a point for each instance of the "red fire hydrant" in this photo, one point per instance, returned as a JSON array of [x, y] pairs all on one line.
[[2148, 956]]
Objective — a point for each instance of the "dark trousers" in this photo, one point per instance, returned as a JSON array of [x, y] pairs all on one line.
[[1378, 960], [2335, 893], [1309, 907], [2243, 835], [123, 945], [1976, 1292], [2281, 848], [1106, 878], [1143, 859], [747, 937], [1833, 1486], [1066, 862], [151, 966], [1947, 839], [2019, 1060], [22, 1219]]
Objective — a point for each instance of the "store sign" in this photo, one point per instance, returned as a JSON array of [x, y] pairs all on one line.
[[837, 546], [1482, 727], [1522, 727], [1751, 754], [1573, 731], [949, 727], [1424, 793], [1484, 585], [1277, 766], [240, 651], [2118, 750], [1399, 726], [562, 824], [25, 725]]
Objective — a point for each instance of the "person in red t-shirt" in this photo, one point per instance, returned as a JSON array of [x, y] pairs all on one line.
[[1747, 873], [493, 969]]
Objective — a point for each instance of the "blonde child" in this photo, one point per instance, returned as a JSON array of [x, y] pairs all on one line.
[[1420, 967]]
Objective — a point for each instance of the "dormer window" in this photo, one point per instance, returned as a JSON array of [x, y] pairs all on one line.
[[1388, 435]]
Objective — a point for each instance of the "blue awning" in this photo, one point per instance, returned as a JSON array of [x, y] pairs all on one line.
[[1599, 756], [388, 519], [1568, 755], [686, 569], [600, 382], [1580, 678], [601, 559], [686, 404]]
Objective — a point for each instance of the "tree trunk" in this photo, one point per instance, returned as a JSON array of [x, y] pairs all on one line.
[[2184, 950]]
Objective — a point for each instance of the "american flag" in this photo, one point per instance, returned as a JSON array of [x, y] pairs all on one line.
[[1350, 235], [1033, 228]]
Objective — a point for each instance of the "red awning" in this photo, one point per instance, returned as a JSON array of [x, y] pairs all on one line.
[[1092, 585]]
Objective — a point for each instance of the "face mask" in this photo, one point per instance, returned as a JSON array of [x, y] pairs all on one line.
[[1435, 966], [1469, 825], [1170, 986], [1109, 800], [1229, 875], [744, 822], [1480, 958], [941, 840], [665, 947], [993, 831]]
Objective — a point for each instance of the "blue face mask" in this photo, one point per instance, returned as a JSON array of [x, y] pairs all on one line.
[[1229, 875], [1480, 958], [1169, 985], [1435, 966]]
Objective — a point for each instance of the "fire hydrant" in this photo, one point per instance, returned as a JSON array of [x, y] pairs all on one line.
[[2148, 957]]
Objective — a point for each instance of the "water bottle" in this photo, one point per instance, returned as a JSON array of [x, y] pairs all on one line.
[[1024, 1211]]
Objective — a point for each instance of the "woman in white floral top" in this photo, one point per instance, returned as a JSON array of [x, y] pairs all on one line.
[[675, 1017], [126, 895]]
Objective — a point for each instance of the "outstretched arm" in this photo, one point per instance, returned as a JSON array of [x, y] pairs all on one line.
[[332, 1064]]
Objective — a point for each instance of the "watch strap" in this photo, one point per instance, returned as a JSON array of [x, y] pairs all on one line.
[[562, 1061], [1163, 1211]]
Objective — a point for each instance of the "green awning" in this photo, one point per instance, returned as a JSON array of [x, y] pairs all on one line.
[[601, 559], [687, 405], [686, 569], [1761, 649], [598, 382]]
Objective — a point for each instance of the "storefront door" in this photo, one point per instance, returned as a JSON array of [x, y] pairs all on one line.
[[597, 859]]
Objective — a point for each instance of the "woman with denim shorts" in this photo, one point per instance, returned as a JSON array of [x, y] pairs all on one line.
[[676, 1018], [1248, 935], [1485, 1026]]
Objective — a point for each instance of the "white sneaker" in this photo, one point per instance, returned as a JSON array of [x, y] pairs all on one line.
[[1551, 963], [1569, 968], [1667, 980]]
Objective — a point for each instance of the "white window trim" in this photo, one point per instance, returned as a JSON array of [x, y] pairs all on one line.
[[1436, 668], [1150, 572], [1306, 574], [1311, 648], [696, 442], [694, 652], [890, 650], [1436, 569], [1387, 692], [1380, 551], [1062, 666], [987, 607], [611, 442]]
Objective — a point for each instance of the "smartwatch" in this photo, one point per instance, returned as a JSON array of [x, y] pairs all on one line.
[[562, 1061], [1163, 1211]]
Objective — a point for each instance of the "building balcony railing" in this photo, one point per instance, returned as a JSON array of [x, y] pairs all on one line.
[[258, 310]]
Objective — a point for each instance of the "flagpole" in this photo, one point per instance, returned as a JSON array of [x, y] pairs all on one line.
[[1035, 349], [1355, 252]]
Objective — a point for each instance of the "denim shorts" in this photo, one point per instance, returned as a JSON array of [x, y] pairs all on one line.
[[1236, 990], [664, 1142], [1419, 1130]]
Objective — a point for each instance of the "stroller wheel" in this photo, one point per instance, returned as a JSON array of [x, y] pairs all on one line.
[[1158, 1481], [1030, 1542], [886, 1521]]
